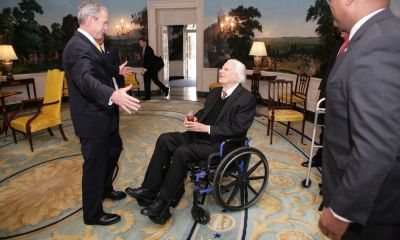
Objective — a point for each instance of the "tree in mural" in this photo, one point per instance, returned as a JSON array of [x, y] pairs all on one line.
[[240, 42], [27, 32], [140, 19], [69, 26], [321, 13], [6, 26]]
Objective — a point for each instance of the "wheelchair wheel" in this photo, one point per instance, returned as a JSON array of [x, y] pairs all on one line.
[[241, 178], [200, 214]]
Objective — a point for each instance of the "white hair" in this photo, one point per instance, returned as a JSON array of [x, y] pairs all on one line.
[[240, 69], [89, 9]]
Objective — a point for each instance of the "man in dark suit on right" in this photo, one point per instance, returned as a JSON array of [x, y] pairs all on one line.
[[361, 167], [149, 72]]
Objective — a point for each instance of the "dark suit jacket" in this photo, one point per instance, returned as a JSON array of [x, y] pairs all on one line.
[[89, 87], [148, 58], [361, 167], [236, 116], [112, 55]]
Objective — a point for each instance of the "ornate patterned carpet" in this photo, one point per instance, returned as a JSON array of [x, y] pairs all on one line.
[[40, 192]]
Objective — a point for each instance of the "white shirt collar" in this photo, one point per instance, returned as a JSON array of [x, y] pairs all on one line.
[[88, 36], [230, 90], [361, 22]]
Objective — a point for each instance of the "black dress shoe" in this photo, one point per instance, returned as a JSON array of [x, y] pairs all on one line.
[[115, 195], [106, 219], [313, 164], [157, 208], [141, 194], [166, 92]]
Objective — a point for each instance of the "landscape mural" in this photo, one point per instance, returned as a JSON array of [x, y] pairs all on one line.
[[39, 29], [298, 34]]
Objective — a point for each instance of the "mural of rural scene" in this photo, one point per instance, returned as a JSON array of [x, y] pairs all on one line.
[[39, 29], [298, 35]]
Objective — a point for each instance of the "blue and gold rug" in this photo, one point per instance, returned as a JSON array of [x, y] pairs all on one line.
[[40, 192]]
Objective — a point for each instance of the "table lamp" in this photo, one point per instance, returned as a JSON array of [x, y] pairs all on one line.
[[7, 54], [258, 50]]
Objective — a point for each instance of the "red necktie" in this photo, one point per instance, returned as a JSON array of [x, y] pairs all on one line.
[[343, 47], [223, 95]]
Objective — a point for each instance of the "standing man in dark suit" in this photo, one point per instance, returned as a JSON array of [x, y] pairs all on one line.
[[149, 72], [228, 113], [361, 166], [93, 104]]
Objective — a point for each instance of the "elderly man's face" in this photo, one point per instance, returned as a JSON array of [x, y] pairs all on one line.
[[227, 74], [99, 25]]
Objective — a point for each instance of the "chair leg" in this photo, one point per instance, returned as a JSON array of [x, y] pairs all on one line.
[[51, 133], [30, 140], [302, 131], [268, 126], [272, 130], [287, 128], [62, 132], [14, 135]]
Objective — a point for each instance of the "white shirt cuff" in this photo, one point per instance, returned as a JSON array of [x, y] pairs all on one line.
[[209, 129], [339, 217], [110, 102]]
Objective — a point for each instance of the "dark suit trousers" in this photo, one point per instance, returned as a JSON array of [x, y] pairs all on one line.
[[372, 232], [148, 76], [169, 164], [100, 159]]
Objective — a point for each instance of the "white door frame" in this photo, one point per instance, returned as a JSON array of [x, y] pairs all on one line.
[[195, 8]]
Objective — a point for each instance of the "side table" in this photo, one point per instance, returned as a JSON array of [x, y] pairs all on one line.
[[3, 109]]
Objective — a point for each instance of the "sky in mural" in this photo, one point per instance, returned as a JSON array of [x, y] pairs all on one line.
[[279, 18], [283, 18], [55, 10]]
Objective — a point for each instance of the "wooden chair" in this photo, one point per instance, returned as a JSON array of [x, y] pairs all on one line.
[[281, 108], [131, 79], [48, 113], [300, 90]]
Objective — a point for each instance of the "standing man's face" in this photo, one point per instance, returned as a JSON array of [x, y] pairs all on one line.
[[99, 24], [338, 9], [142, 43]]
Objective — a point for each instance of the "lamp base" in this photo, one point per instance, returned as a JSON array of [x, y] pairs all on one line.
[[9, 77]]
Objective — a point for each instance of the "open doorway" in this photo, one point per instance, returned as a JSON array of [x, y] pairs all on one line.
[[179, 53]]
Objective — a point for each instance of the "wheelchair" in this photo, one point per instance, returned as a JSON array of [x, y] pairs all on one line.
[[237, 176]]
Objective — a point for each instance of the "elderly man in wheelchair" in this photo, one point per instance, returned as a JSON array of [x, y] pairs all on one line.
[[227, 114]]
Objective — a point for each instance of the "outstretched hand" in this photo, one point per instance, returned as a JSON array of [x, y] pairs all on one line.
[[126, 102], [123, 70]]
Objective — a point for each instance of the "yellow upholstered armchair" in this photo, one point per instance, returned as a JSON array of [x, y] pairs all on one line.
[[48, 113], [131, 79], [281, 108]]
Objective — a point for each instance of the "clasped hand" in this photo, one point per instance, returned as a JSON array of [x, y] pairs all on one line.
[[126, 102], [195, 126]]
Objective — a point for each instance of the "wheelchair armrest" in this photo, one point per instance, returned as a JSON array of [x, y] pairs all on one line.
[[232, 141]]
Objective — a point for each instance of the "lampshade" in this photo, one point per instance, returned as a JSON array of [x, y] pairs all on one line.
[[7, 53], [258, 49]]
